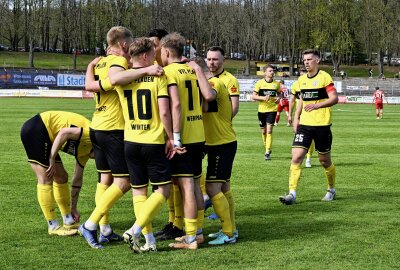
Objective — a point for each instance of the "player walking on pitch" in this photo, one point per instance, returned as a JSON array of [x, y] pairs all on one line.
[[378, 98], [312, 121], [267, 92]]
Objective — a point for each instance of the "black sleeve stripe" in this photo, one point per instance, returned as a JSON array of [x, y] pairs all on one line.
[[101, 87], [115, 65], [172, 84], [163, 96]]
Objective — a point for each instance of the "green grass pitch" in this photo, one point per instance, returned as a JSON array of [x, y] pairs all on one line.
[[360, 230]]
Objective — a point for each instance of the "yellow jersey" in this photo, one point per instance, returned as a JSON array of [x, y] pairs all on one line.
[[264, 88], [139, 101], [184, 77], [218, 118], [315, 90], [108, 113], [295, 91], [230, 82], [56, 120]]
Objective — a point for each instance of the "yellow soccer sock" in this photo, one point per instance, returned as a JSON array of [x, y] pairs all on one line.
[[264, 137], [100, 189], [171, 207], [311, 149], [109, 198], [190, 226], [200, 219], [221, 207], [268, 143], [178, 222], [294, 176], [203, 184], [138, 202], [62, 197], [46, 201], [229, 198], [330, 174], [150, 209]]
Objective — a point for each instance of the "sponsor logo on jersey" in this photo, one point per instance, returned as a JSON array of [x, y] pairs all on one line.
[[269, 93], [310, 95], [70, 147], [233, 89]]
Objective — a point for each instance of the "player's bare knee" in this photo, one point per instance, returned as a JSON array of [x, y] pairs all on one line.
[[164, 190], [212, 189], [325, 161], [61, 177], [123, 184]]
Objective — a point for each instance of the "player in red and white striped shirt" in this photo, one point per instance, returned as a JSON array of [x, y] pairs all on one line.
[[379, 95], [283, 103]]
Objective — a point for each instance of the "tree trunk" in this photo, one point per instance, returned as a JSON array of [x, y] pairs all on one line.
[[74, 59], [380, 62], [30, 64]]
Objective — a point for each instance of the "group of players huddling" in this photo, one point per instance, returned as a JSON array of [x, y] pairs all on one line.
[[157, 115]]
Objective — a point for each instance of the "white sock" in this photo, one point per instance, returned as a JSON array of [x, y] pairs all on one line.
[[105, 229], [136, 230], [90, 225], [205, 197], [293, 192], [68, 219], [190, 239], [53, 224], [150, 238]]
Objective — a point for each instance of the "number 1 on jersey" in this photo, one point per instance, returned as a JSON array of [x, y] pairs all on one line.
[[188, 85]]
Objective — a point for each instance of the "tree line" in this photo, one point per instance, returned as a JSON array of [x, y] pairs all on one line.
[[345, 31]]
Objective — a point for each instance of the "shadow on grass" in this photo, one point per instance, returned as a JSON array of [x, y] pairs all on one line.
[[354, 164]]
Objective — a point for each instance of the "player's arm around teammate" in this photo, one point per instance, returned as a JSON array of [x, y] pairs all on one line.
[[118, 75], [208, 93]]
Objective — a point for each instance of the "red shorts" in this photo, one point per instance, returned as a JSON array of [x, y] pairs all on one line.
[[379, 105], [283, 104]]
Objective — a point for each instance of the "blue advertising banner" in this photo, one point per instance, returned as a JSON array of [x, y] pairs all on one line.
[[30, 78], [73, 80], [45, 79], [27, 78]]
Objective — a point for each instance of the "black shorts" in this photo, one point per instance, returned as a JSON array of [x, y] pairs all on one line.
[[190, 163], [109, 154], [220, 161], [321, 135], [147, 163], [266, 118], [36, 141]]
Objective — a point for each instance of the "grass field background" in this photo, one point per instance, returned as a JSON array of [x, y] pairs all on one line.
[[360, 230], [57, 61]]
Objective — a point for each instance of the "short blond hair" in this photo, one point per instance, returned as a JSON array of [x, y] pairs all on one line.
[[118, 33], [201, 62], [140, 45], [267, 66], [175, 42]]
